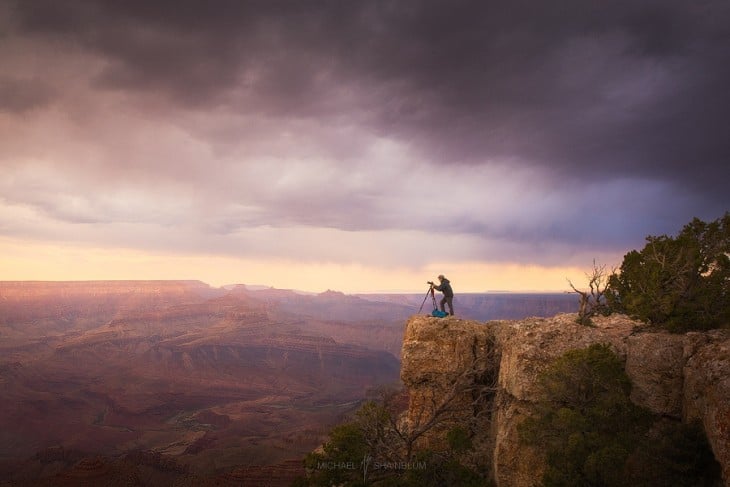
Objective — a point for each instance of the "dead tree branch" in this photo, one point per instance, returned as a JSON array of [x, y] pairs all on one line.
[[593, 301]]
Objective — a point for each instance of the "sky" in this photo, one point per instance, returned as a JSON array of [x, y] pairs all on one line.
[[357, 146]]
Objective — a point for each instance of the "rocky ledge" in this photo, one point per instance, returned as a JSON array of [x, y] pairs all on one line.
[[686, 377]]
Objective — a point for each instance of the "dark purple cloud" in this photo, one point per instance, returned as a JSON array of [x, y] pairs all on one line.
[[22, 95], [606, 121], [635, 88]]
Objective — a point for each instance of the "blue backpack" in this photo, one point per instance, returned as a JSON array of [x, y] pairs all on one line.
[[439, 314]]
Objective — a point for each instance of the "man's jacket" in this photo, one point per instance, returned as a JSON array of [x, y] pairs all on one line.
[[445, 287]]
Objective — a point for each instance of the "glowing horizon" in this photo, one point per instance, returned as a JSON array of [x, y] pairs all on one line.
[[20, 261]]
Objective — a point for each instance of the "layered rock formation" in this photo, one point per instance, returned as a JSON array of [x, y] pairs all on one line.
[[686, 377]]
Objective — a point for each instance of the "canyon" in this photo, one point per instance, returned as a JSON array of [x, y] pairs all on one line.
[[175, 381], [216, 380]]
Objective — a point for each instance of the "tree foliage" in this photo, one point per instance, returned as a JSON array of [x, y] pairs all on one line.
[[594, 435], [679, 283], [340, 461], [587, 423], [379, 448]]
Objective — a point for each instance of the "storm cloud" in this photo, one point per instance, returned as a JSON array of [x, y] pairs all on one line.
[[536, 132]]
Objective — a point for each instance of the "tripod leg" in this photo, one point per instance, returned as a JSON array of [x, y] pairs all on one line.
[[424, 301]]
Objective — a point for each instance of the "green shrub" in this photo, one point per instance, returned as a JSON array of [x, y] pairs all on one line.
[[366, 451], [586, 423], [339, 463], [594, 435]]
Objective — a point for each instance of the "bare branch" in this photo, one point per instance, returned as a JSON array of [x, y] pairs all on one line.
[[593, 301]]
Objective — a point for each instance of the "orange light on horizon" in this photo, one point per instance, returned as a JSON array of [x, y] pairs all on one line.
[[29, 260]]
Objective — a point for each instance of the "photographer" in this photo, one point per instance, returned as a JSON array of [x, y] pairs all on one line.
[[445, 288]]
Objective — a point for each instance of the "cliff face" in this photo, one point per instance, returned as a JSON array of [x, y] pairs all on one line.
[[682, 376]]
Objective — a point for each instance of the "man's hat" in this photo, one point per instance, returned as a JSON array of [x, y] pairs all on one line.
[[441, 276]]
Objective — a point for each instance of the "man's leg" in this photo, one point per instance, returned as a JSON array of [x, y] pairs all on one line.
[[443, 301], [450, 302]]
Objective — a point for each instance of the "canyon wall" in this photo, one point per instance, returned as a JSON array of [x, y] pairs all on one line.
[[686, 377]]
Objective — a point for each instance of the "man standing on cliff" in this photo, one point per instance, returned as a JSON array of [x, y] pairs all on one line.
[[445, 288]]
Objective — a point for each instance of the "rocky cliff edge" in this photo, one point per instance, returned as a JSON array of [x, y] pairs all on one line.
[[686, 377]]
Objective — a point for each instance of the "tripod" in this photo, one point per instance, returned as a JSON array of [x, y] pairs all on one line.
[[433, 298]]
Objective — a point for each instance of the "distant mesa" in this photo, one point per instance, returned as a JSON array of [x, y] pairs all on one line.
[[331, 294]]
